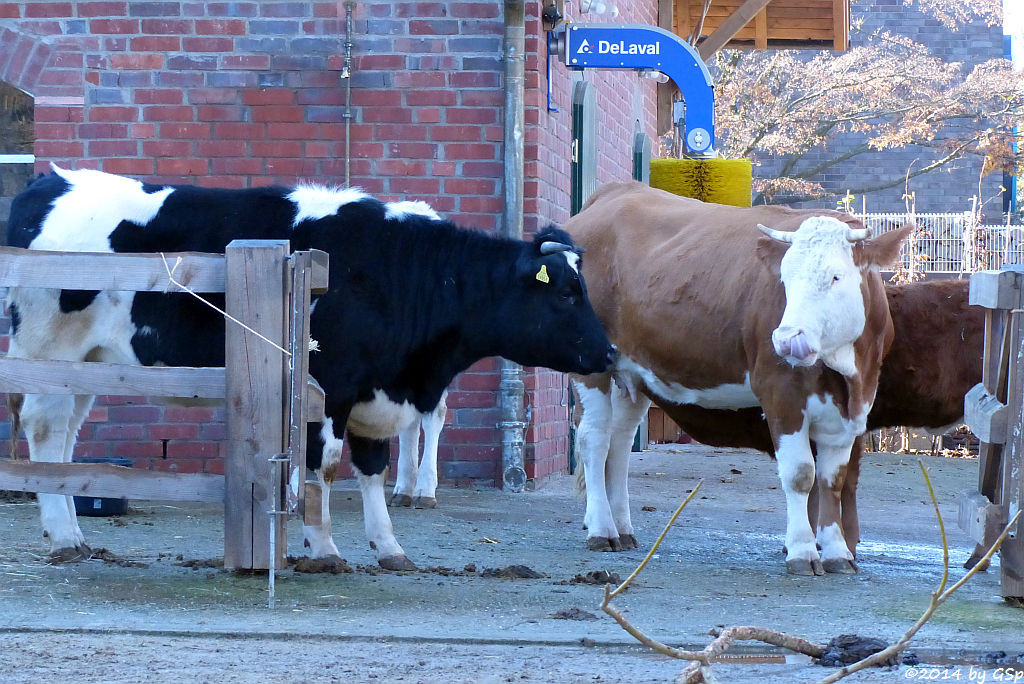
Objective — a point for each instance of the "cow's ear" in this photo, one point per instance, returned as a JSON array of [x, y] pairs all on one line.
[[883, 250], [770, 252]]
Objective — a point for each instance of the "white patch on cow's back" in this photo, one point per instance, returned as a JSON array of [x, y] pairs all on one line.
[[381, 418], [82, 219], [316, 202], [399, 210], [725, 396]]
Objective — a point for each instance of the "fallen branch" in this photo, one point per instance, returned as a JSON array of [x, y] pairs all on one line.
[[700, 669], [939, 596]]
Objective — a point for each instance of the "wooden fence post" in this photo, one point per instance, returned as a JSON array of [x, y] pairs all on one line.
[[256, 403]]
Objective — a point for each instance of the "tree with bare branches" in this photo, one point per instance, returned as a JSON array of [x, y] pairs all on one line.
[[804, 115]]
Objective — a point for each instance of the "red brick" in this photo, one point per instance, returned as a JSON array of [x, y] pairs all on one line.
[[476, 115], [376, 98], [236, 166], [130, 167], [183, 167], [54, 131], [168, 113], [167, 26], [59, 113], [102, 26], [291, 167], [292, 131], [480, 204], [158, 96], [243, 131], [102, 9], [268, 96], [419, 79], [470, 151], [143, 130], [102, 131], [93, 77], [221, 148], [380, 62], [207, 44], [456, 133], [133, 449], [67, 60], [113, 114], [220, 27], [166, 148], [148, 61], [185, 131], [61, 77], [155, 44], [113, 148], [387, 115], [48, 9], [276, 148], [470, 186], [220, 113], [9, 10], [189, 414], [412, 150], [428, 115], [440, 98], [214, 466], [401, 167], [58, 148], [414, 186], [367, 150]]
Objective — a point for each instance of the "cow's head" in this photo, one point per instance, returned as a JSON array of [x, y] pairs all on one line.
[[822, 274], [547, 320]]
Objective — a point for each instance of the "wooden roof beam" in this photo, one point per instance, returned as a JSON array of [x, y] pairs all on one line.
[[729, 28]]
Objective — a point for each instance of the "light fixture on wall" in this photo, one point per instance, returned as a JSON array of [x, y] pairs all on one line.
[[653, 74], [598, 7]]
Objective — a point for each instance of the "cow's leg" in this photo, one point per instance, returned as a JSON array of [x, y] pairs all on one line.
[[796, 470], [370, 458], [848, 499], [592, 441], [51, 424], [408, 453], [425, 493], [836, 556], [626, 416], [318, 537]]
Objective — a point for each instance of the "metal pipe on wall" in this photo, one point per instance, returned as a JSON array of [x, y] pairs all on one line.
[[512, 390]]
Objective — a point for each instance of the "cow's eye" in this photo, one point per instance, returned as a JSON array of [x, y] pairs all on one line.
[[835, 279]]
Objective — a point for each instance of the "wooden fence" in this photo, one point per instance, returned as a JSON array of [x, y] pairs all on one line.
[[268, 394], [994, 410]]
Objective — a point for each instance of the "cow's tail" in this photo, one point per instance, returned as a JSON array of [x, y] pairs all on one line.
[[14, 405]]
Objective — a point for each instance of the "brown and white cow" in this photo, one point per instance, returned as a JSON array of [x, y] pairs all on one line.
[[707, 309], [934, 359]]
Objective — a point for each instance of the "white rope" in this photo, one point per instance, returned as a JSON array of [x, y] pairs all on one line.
[[225, 314]]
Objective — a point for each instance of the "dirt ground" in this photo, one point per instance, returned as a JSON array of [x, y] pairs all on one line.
[[147, 612]]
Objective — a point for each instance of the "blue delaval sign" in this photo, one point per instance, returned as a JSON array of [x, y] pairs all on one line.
[[625, 46]]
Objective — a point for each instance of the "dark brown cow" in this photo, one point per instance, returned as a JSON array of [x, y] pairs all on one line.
[[935, 358], [707, 310]]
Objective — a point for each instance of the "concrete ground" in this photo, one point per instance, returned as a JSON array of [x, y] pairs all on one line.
[[142, 614]]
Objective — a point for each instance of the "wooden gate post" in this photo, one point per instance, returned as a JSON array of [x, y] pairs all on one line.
[[994, 410], [256, 380]]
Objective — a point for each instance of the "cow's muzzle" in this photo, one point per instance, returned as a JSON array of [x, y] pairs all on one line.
[[794, 346]]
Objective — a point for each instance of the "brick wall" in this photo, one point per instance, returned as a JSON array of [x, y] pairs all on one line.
[[238, 94]]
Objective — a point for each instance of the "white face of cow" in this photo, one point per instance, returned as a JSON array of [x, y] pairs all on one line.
[[824, 312]]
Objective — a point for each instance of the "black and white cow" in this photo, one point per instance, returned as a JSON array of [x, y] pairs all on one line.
[[413, 300]]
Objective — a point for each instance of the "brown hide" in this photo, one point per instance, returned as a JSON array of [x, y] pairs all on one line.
[[935, 358], [680, 289]]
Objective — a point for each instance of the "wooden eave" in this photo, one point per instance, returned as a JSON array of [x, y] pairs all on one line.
[[764, 24]]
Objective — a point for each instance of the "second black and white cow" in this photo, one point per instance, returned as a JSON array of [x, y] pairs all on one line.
[[412, 301]]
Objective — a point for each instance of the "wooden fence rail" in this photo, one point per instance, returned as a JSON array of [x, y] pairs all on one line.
[[269, 394], [994, 410]]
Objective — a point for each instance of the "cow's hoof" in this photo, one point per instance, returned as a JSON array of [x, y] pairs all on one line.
[[603, 544], [399, 562], [424, 502], [628, 542], [71, 554], [802, 566], [840, 566], [397, 500]]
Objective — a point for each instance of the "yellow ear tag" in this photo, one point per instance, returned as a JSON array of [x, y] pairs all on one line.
[[542, 274]]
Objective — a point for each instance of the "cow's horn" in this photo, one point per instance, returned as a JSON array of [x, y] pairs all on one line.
[[857, 234], [780, 235], [552, 247]]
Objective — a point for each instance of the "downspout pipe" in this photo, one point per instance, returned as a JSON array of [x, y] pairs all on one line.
[[512, 389]]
